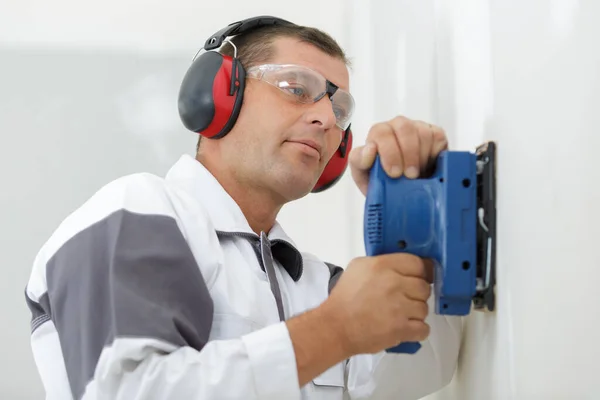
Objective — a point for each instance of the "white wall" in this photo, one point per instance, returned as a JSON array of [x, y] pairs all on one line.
[[88, 92], [543, 342], [525, 74]]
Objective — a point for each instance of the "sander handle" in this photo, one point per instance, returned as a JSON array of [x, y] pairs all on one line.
[[374, 224]]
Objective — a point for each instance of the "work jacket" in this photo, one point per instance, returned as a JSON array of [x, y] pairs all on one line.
[[157, 288]]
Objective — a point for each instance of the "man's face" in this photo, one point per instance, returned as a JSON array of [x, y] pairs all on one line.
[[279, 144]]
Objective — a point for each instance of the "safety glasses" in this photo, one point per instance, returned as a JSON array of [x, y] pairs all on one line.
[[306, 86]]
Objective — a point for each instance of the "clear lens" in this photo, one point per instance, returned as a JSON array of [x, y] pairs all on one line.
[[305, 86]]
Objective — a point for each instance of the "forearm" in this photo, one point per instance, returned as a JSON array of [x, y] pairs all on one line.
[[317, 341]]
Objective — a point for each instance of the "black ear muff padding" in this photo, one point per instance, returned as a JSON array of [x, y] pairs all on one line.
[[207, 104]]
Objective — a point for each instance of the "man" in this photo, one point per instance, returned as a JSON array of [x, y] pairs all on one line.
[[186, 287]]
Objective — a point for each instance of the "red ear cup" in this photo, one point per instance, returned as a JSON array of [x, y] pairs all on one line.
[[335, 168], [211, 94]]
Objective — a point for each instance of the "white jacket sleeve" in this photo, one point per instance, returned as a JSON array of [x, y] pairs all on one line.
[[129, 309], [260, 365], [409, 376]]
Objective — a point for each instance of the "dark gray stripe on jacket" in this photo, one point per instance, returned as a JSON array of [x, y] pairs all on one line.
[[129, 275]]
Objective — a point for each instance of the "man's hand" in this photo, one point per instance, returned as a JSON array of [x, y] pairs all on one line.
[[380, 302], [377, 303], [405, 146]]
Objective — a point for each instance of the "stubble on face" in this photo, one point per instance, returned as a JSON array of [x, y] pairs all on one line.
[[276, 123], [260, 153]]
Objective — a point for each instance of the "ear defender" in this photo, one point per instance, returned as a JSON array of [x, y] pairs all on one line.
[[212, 92], [335, 168]]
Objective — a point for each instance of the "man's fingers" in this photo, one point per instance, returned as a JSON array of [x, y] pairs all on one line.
[[407, 135], [405, 147], [440, 141], [417, 310], [384, 137], [416, 289], [406, 265], [417, 331], [368, 154], [361, 159], [426, 144]]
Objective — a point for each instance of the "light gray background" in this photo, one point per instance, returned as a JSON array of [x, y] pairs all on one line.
[[88, 95]]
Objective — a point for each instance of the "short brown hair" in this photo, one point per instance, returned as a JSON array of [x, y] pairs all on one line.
[[256, 46]]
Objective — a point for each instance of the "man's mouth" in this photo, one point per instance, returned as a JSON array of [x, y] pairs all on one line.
[[310, 145]]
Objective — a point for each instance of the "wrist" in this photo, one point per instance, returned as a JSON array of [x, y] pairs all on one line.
[[317, 341], [334, 325]]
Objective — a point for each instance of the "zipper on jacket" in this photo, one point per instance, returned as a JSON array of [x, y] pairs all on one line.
[[265, 258]]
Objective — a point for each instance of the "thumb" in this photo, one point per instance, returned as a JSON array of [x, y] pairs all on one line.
[[361, 160], [364, 157]]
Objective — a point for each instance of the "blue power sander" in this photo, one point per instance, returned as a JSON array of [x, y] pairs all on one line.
[[449, 217]]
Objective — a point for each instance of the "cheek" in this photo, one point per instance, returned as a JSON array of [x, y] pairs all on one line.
[[265, 110]]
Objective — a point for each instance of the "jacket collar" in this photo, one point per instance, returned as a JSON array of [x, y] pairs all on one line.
[[225, 214]]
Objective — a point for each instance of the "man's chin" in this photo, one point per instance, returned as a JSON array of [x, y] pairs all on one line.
[[295, 188], [295, 180]]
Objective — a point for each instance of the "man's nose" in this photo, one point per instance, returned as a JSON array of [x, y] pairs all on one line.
[[321, 113]]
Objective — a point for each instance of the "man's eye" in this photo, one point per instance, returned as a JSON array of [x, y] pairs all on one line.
[[297, 91]]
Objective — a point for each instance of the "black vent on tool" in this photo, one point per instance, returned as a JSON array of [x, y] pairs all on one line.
[[374, 224]]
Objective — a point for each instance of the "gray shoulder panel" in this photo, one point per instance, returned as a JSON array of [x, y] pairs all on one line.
[[335, 272], [127, 275]]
